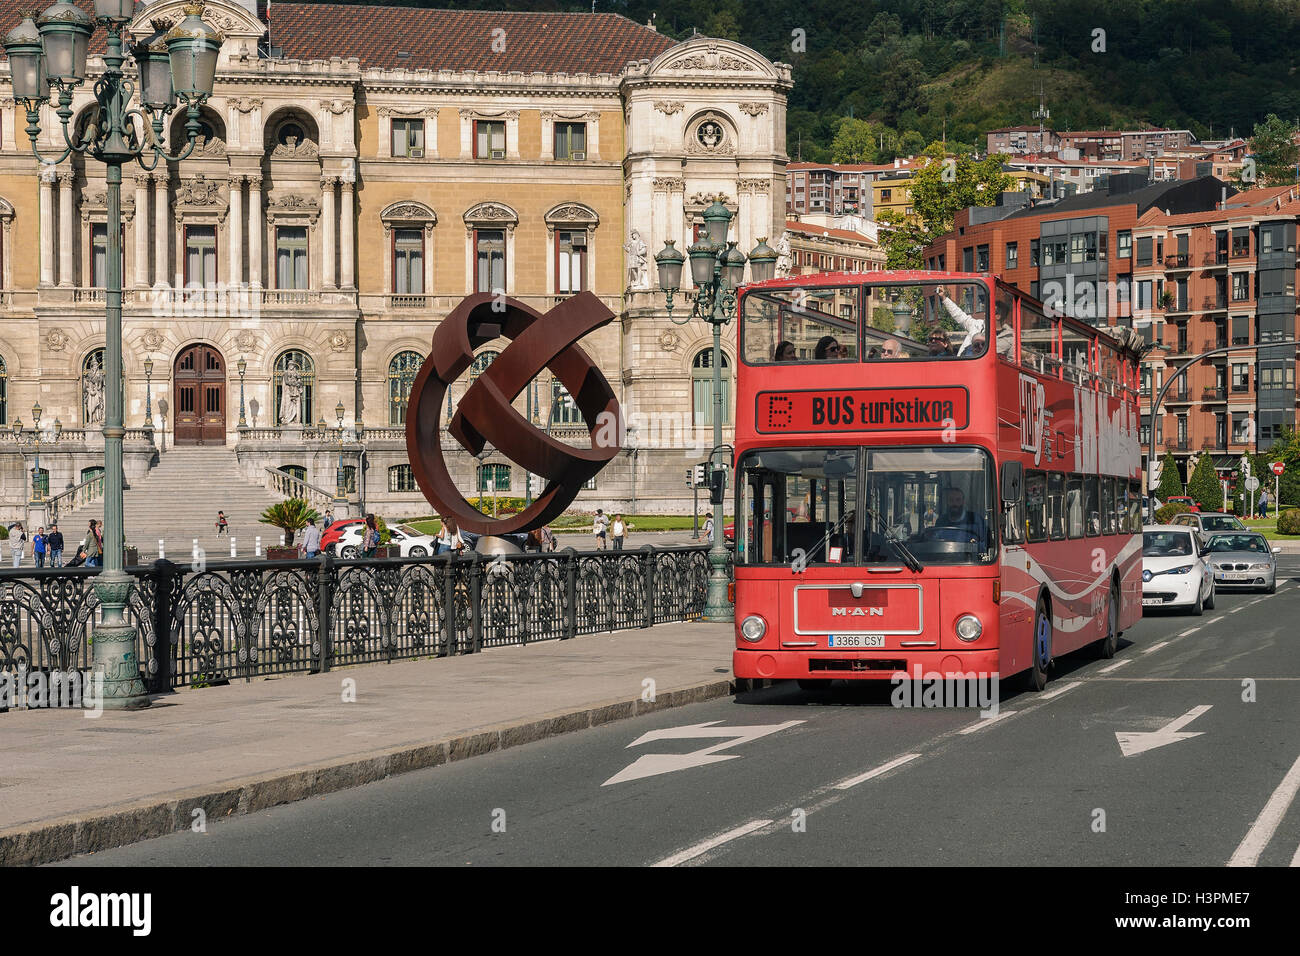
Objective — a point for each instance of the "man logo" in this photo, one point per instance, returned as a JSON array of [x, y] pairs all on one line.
[[857, 612]]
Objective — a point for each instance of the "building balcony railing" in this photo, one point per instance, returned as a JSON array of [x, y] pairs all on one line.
[[1178, 261], [407, 301], [1213, 394], [1214, 303], [1241, 253], [1178, 398], [290, 296], [1173, 444], [1213, 260]]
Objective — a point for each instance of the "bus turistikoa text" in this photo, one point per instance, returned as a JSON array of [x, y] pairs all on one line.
[[934, 476]]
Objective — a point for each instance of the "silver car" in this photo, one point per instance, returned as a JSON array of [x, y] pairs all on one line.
[[1209, 522], [1242, 560]]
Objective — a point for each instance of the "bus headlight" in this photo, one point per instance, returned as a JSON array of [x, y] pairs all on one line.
[[969, 628], [753, 628]]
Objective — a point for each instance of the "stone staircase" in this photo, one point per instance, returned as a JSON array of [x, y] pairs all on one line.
[[178, 501]]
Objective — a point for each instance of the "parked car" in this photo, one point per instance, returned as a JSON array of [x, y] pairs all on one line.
[[330, 536], [1174, 571], [411, 543], [1184, 500], [1209, 522], [1243, 560]]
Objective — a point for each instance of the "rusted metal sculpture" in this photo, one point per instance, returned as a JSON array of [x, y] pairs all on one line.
[[486, 414]]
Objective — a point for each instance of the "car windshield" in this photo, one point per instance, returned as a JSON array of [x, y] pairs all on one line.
[[1239, 542], [1166, 544], [408, 530], [1222, 523], [913, 506]]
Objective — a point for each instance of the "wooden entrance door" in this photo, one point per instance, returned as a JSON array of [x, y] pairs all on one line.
[[200, 397]]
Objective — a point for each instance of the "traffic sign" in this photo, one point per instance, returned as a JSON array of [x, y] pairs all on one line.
[[1278, 467], [1252, 483]]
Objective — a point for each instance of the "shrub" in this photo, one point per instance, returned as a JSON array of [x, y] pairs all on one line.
[[1288, 522], [1204, 486], [1170, 484], [1166, 512], [4, 533], [289, 516]]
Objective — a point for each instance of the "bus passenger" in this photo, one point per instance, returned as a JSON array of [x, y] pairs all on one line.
[[828, 348], [940, 347], [785, 353], [892, 349], [972, 326]]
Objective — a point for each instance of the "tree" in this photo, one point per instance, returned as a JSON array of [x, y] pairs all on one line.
[[1204, 486], [855, 142], [289, 516], [1275, 153], [1170, 484]]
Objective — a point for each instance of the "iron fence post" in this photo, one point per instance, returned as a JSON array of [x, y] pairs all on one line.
[[648, 552], [165, 680], [570, 593], [449, 605], [476, 604], [324, 595]]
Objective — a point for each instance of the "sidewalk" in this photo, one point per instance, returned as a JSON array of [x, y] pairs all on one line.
[[73, 785]]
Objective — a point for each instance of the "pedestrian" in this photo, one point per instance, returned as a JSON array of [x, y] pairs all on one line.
[[1263, 503], [600, 527], [548, 538], [449, 539], [708, 528], [38, 547], [17, 537], [370, 542], [329, 520], [54, 544], [620, 532], [310, 546], [93, 545], [222, 525]]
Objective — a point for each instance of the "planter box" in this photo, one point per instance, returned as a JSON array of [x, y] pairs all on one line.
[[130, 557], [281, 554], [386, 552]]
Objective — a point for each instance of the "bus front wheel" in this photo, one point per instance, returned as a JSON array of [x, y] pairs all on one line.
[[1041, 652], [1107, 646]]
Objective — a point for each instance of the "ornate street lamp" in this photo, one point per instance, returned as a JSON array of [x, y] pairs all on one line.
[[148, 392], [718, 268], [340, 482], [49, 56], [242, 366]]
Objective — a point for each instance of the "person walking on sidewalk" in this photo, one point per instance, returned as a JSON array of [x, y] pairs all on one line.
[[222, 525], [620, 532], [370, 543], [708, 528], [310, 539], [600, 528], [38, 547], [54, 544], [449, 539], [17, 537], [328, 520], [93, 546]]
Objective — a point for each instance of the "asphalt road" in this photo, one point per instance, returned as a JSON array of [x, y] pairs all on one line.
[[1046, 782]]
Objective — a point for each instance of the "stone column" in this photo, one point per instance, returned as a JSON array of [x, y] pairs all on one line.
[[236, 231], [328, 247], [47, 178], [66, 244], [142, 230], [255, 231], [161, 227], [347, 251]]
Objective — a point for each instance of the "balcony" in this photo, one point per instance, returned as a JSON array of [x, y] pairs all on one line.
[[1214, 303], [1178, 262], [1179, 397], [1172, 444], [1214, 260], [1213, 394]]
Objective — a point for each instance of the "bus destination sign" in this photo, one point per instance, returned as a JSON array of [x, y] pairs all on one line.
[[863, 409]]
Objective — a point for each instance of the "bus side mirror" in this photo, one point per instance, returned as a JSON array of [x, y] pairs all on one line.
[[1012, 475], [717, 486]]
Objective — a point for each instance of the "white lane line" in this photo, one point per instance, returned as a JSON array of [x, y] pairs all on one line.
[[1116, 665], [1059, 691], [1295, 860], [1261, 831], [1236, 609], [1190, 630], [1215, 620], [883, 768], [691, 853], [1155, 647], [985, 721]]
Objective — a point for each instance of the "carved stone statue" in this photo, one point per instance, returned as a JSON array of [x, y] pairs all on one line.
[[784, 261], [291, 395], [94, 393], [638, 275]]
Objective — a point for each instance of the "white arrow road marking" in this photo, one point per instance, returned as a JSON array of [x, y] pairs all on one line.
[[650, 765], [1261, 831], [1136, 742]]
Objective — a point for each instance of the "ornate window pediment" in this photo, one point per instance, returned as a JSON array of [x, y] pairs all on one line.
[[491, 215], [200, 197], [572, 214], [408, 213], [94, 207], [293, 206]]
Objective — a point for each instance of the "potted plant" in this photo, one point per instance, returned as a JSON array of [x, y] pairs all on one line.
[[290, 516], [383, 551], [130, 556]]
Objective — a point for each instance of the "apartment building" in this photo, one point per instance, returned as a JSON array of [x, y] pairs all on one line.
[[1018, 140]]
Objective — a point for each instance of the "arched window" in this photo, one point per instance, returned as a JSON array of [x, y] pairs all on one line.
[[94, 471], [4, 393], [294, 386], [702, 388], [401, 375], [480, 364], [93, 398], [401, 478]]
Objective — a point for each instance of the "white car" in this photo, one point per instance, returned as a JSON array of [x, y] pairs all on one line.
[[1174, 570], [413, 544]]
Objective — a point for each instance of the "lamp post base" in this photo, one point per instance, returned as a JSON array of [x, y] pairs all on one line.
[[114, 658], [717, 609]]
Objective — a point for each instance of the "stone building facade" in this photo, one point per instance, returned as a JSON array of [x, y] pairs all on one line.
[[347, 191]]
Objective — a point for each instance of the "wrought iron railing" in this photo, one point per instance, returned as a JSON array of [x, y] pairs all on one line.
[[92, 489], [203, 624], [288, 486]]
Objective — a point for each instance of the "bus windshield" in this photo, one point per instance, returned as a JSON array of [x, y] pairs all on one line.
[[845, 505], [874, 322]]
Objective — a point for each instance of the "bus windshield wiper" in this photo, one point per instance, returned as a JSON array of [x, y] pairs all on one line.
[[895, 541]]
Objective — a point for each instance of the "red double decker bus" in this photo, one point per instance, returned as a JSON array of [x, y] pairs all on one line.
[[933, 475]]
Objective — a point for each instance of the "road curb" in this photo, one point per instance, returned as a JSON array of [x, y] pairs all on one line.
[[49, 841]]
